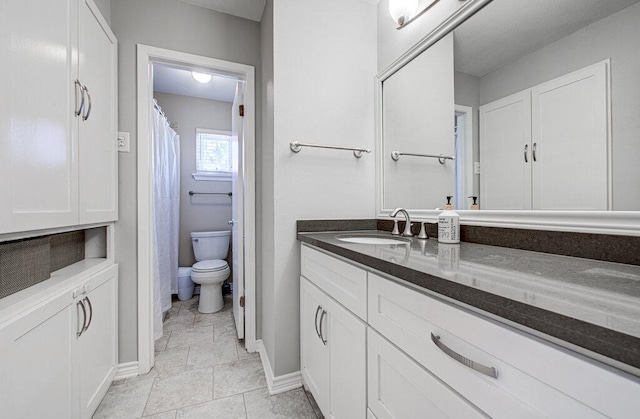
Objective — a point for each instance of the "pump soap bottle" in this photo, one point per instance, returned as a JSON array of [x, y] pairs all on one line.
[[449, 224]]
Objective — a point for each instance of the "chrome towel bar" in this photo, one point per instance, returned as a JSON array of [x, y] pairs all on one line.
[[395, 155], [296, 146], [210, 193]]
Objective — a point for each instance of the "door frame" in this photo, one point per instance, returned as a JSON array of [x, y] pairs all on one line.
[[146, 56], [467, 152]]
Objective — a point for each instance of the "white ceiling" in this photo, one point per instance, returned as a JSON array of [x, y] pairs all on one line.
[[506, 30], [248, 9], [179, 81]]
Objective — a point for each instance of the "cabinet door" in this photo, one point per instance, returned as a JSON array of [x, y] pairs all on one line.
[[38, 128], [98, 165], [399, 388], [505, 153], [346, 339], [314, 353], [36, 364], [571, 141], [97, 345]]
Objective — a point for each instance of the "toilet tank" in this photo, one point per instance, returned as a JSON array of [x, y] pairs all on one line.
[[208, 245]]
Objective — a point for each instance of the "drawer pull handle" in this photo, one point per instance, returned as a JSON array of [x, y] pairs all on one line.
[[324, 341], [316, 321], [90, 313], [84, 318], [490, 371]]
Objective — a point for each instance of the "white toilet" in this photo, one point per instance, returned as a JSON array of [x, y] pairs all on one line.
[[210, 270]]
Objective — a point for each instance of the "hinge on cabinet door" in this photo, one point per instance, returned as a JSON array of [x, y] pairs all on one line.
[[242, 301], [241, 110]]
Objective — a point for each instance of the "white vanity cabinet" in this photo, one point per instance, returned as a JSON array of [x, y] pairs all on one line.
[[57, 167], [333, 339], [430, 358], [59, 356]]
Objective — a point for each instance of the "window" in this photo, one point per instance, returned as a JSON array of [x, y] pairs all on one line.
[[213, 155]]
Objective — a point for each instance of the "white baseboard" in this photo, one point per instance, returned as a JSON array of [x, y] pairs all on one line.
[[281, 383], [126, 370]]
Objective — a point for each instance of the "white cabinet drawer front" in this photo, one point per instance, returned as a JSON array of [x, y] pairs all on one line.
[[346, 283], [534, 378], [400, 389]]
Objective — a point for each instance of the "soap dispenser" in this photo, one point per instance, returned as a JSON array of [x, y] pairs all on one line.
[[474, 205], [449, 224]]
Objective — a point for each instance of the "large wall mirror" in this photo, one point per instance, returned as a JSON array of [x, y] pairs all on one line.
[[533, 107]]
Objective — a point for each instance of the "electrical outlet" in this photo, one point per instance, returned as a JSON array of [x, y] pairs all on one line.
[[123, 142]]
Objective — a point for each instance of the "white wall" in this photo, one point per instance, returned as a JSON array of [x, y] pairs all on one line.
[[199, 212], [324, 63], [614, 37], [179, 26]]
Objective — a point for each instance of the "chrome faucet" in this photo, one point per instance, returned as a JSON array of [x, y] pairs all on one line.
[[407, 226]]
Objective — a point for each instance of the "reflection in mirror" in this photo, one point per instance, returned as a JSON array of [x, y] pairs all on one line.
[[417, 105], [544, 113], [553, 87]]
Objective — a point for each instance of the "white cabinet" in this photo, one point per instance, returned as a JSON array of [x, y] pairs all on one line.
[[548, 147], [97, 344], [36, 363], [51, 157], [98, 166], [59, 357], [401, 388], [333, 354]]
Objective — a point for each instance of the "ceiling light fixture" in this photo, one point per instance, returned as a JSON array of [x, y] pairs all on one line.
[[404, 12], [201, 77]]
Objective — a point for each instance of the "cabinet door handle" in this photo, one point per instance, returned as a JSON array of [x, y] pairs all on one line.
[[90, 313], [535, 146], [526, 149], [324, 341], [84, 318], [79, 89], [86, 115], [316, 321], [490, 371]]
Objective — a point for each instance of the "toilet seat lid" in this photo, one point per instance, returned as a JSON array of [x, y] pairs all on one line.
[[210, 265]]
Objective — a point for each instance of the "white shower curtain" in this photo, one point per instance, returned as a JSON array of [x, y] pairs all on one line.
[[166, 217]]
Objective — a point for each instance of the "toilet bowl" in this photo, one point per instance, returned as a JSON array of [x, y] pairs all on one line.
[[209, 248]]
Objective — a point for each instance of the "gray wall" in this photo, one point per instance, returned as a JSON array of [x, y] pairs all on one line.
[[320, 91], [198, 212], [181, 27], [615, 37]]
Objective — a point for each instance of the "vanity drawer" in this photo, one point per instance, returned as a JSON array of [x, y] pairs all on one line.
[[346, 283], [399, 388], [534, 378]]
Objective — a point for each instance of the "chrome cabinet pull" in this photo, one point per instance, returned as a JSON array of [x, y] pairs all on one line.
[[316, 321], [86, 115], [90, 312], [535, 146], [79, 89], [324, 341], [526, 149], [84, 318], [490, 371]]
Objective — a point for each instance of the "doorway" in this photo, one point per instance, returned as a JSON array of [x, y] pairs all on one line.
[[244, 191]]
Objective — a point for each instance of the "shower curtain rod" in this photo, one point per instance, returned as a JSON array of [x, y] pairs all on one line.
[[155, 105]]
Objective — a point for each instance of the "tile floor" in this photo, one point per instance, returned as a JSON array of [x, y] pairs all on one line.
[[202, 371]]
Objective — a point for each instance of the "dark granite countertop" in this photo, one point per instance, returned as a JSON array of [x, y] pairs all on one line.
[[586, 303]]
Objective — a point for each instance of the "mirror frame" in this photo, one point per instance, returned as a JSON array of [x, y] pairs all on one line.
[[600, 222]]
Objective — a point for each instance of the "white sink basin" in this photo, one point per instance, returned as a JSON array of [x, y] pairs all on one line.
[[372, 239]]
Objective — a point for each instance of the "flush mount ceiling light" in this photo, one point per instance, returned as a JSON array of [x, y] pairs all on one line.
[[201, 77], [404, 12]]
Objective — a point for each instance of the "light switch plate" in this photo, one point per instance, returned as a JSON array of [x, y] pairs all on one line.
[[476, 167], [123, 142]]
